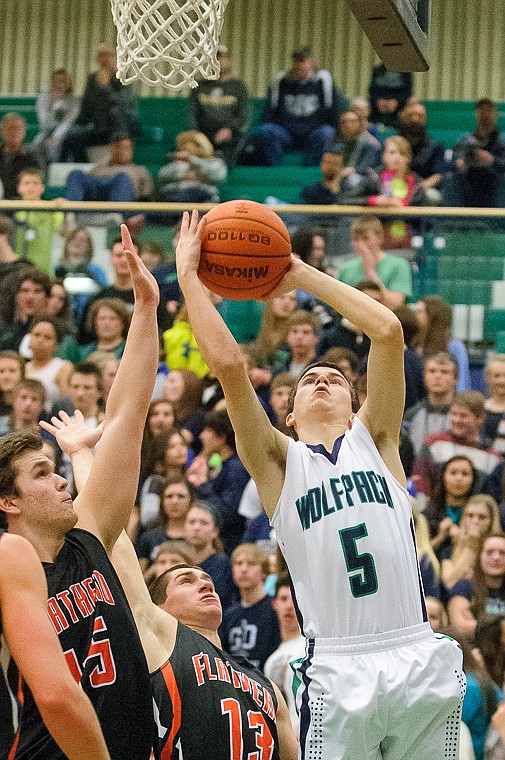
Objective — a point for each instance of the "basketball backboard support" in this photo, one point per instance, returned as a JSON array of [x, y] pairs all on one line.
[[398, 31]]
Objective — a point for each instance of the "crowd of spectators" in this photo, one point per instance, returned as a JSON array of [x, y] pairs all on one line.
[[63, 326]]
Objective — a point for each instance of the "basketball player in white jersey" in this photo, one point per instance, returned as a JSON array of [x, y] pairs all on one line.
[[376, 682]]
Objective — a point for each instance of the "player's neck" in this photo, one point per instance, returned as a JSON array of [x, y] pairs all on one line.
[[47, 547], [325, 433], [207, 633]]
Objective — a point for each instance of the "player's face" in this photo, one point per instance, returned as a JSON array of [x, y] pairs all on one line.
[[10, 374], [199, 528], [191, 599], [476, 519], [464, 423], [161, 418], [495, 377], [458, 478], [492, 558], [43, 504], [247, 573], [439, 378], [320, 391], [176, 498]]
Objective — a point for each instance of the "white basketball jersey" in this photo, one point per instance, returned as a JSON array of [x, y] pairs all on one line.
[[344, 525]]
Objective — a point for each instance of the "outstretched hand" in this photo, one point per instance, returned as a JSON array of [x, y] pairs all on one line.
[[145, 286], [187, 253], [73, 435]]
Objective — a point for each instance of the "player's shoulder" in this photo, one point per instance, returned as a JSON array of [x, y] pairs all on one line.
[[16, 548]]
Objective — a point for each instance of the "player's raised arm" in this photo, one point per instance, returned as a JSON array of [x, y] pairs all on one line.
[[78, 441], [106, 500], [65, 709], [261, 448], [383, 410]]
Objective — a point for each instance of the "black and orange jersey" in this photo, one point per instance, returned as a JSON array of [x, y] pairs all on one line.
[[89, 611], [212, 706], [11, 698]]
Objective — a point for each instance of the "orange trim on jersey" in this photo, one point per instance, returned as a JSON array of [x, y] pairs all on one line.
[[21, 700], [170, 682]]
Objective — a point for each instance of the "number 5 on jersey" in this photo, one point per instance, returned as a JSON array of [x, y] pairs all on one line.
[[364, 581], [104, 670]]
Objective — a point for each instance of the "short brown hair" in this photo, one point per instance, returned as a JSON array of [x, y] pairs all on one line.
[[31, 172], [30, 384], [158, 587], [472, 400], [15, 357], [117, 306], [90, 369], [254, 554], [12, 448], [441, 357], [282, 380], [302, 317], [291, 401], [365, 224]]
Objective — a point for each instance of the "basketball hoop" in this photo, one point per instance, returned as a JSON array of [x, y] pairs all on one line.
[[168, 42]]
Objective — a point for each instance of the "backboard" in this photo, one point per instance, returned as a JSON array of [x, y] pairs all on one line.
[[398, 31]]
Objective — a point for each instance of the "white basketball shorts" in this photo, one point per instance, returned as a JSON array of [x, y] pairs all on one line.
[[394, 696]]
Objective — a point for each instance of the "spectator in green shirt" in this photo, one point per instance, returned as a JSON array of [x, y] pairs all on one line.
[[36, 229], [391, 273]]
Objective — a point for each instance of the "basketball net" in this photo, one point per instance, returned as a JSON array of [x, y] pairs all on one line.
[[168, 42]]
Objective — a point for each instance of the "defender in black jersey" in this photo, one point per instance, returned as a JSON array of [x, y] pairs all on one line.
[[27, 635], [87, 606], [207, 704]]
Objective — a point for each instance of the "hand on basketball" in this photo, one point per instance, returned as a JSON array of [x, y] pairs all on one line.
[[291, 280], [187, 253], [145, 286], [72, 434]]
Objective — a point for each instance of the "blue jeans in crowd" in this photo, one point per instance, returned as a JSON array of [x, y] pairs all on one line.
[[272, 141], [86, 187]]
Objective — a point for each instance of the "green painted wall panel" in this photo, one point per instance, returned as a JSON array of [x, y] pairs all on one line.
[[468, 44]]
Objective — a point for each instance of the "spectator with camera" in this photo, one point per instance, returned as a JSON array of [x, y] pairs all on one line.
[[478, 161]]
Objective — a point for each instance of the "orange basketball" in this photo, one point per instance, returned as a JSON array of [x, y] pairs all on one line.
[[246, 250]]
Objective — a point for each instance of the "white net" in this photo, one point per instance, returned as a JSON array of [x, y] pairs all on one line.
[[168, 42]]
